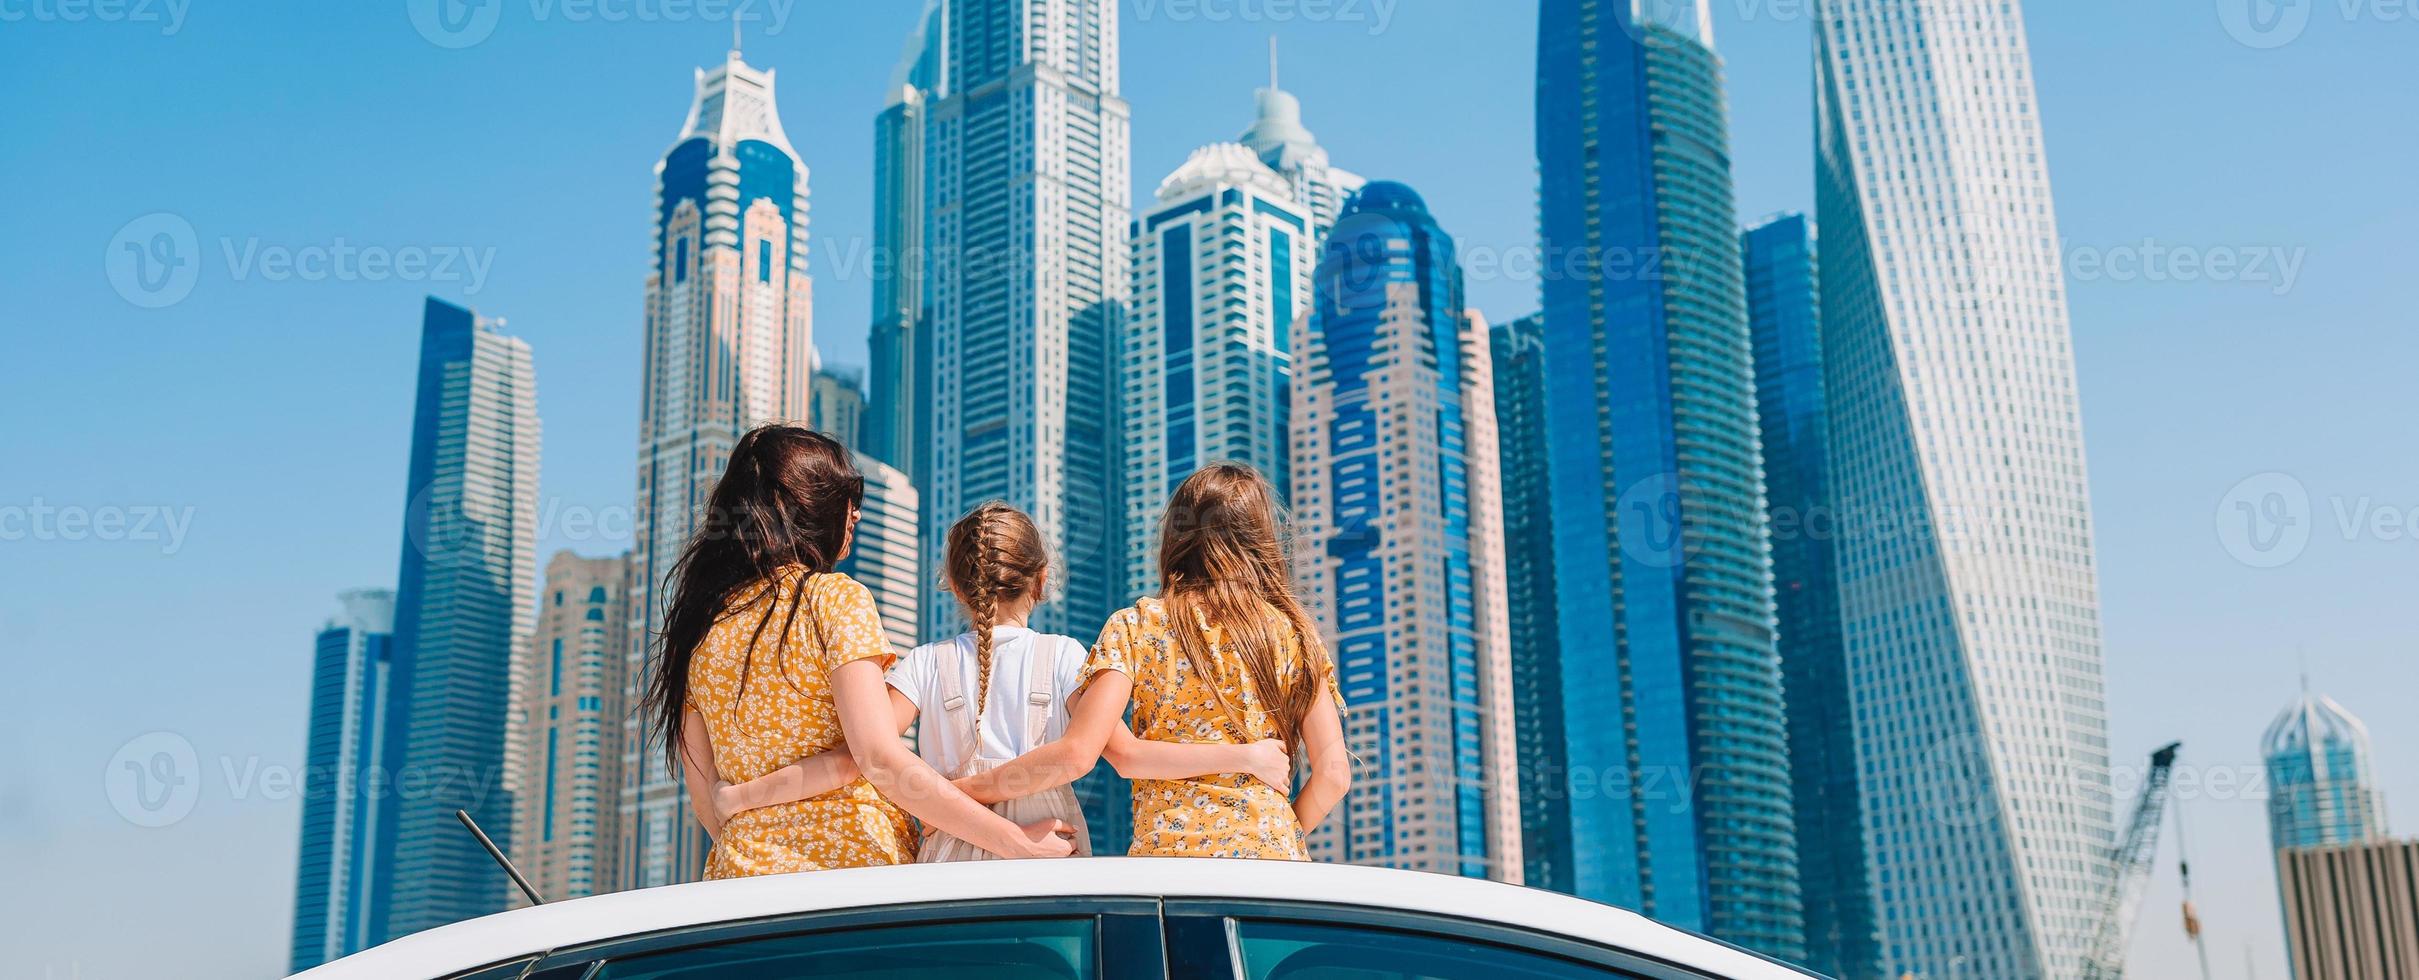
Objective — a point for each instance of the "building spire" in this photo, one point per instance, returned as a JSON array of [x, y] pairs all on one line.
[[1272, 62], [735, 24]]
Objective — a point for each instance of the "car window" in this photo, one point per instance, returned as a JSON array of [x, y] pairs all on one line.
[[1273, 950], [1009, 949]]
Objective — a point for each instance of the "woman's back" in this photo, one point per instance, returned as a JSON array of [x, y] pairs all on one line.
[[1228, 815], [768, 706]]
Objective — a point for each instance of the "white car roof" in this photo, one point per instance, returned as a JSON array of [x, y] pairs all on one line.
[[522, 932]]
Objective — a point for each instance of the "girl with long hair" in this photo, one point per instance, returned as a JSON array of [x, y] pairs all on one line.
[[768, 655], [1225, 654], [1001, 692]]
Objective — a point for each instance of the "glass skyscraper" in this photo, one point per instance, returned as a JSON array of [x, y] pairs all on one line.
[[336, 863], [1841, 937], [1398, 545], [566, 818], [898, 430], [1677, 794], [1969, 601], [1026, 200], [1221, 269], [464, 607], [2321, 791], [1528, 567], [729, 346]]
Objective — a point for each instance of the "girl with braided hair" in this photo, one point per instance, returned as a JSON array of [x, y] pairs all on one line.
[[1002, 692]]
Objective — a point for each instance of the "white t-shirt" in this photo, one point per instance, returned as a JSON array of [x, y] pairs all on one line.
[[941, 739]]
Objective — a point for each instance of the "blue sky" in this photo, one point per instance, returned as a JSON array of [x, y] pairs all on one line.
[[252, 434]]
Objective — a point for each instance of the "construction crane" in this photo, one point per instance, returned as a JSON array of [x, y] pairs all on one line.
[[2136, 854]]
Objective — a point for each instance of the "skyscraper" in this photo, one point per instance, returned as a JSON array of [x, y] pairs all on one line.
[[1026, 163], [1660, 553], [900, 346], [1221, 268], [836, 405], [1278, 136], [2352, 910], [728, 343], [1528, 528], [335, 865], [463, 613], [2320, 789], [1399, 545], [884, 554], [565, 834], [1969, 602], [1841, 937]]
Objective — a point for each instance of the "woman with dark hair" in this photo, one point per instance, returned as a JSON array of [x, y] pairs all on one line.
[[769, 656]]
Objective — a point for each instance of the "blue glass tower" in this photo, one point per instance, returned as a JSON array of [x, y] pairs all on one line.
[[1399, 544], [465, 605], [335, 863], [1784, 315], [2321, 791], [1661, 565], [1528, 571]]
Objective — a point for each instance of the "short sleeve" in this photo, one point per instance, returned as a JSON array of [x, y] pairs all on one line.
[[1070, 663], [1115, 651], [912, 675], [846, 621]]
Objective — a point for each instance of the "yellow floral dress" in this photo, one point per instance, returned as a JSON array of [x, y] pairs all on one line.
[[787, 714], [1225, 815]]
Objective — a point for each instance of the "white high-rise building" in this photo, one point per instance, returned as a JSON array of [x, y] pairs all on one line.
[[883, 556], [1969, 602], [728, 347], [1026, 200], [1278, 136], [1221, 271]]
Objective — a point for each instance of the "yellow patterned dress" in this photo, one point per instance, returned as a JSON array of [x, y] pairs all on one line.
[[787, 714], [1226, 815]]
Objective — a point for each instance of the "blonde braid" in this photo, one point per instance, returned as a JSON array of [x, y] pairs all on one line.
[[985, 605], [995, 553]]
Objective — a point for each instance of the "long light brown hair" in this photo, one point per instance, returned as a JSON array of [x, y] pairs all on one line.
[[1222, 561], [995, 556]]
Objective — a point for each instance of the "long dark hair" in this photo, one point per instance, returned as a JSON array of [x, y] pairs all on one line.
[[780, 509], [1222, 560]]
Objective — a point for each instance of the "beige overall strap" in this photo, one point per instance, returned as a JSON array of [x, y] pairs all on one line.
[[1041, 691], [954, 705]]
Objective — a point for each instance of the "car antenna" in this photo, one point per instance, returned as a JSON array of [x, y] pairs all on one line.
[[493, 852]]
